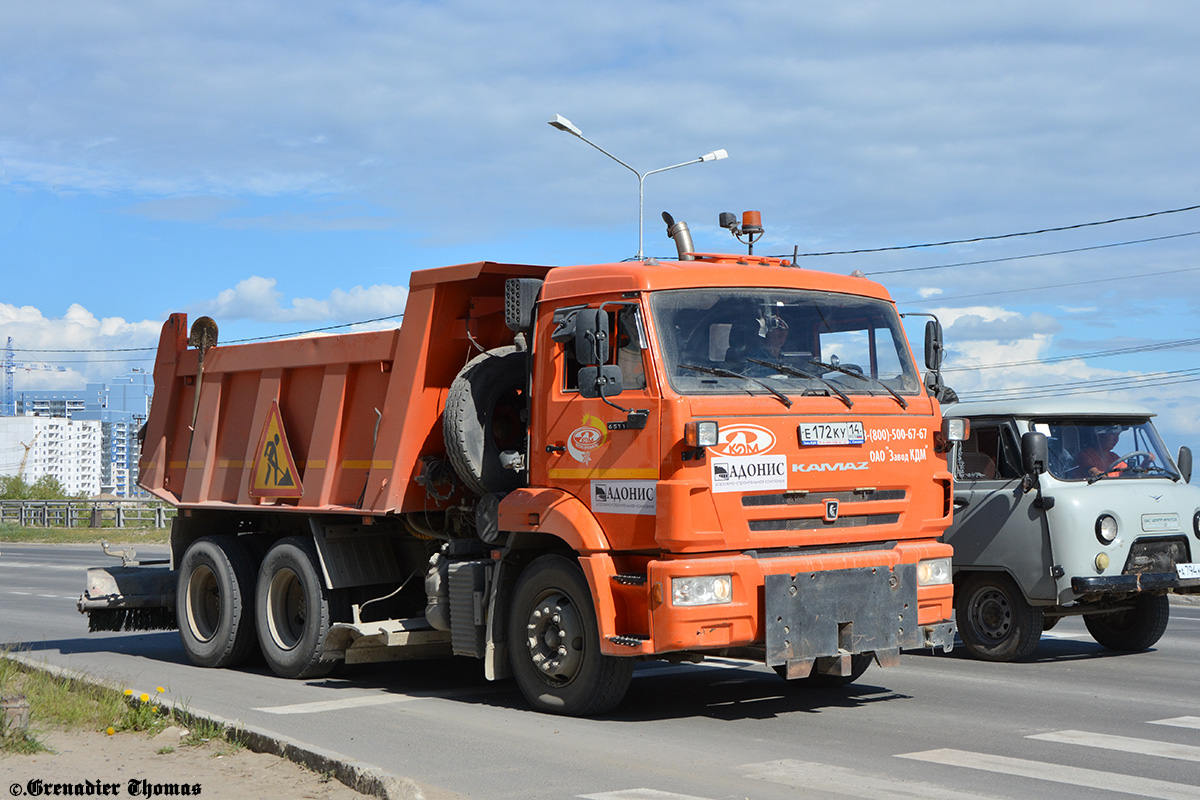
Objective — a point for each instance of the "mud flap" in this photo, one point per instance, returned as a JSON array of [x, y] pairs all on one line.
[[836, 613]]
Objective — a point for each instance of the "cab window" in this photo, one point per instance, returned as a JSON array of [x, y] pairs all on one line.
[[991, 453]]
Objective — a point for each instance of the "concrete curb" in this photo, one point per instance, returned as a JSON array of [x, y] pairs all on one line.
[[357, 775]]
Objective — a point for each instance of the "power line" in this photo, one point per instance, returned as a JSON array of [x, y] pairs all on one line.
[[1113, 384], [1033, 255], [1050, 286], [1076, 226], [1095, 354]]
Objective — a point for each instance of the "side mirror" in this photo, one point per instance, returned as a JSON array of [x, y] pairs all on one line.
[[591, 338], [1184, 462], [933, 345], [1035, 453], [601, 381]]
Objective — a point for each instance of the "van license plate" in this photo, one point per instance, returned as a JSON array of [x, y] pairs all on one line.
[[817, 433], [1186, 571]]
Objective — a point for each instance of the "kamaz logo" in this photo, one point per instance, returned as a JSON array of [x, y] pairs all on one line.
[[842, 467]]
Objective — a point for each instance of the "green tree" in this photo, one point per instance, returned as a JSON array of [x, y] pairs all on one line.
[[47, 487], [13, 487]]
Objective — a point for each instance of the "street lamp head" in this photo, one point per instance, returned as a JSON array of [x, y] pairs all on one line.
[[715, 155], [564, 124]]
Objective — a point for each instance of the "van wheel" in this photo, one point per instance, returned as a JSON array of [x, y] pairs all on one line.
[[293, 611], [1133, 629], [554, 643], [483, 418], [994, 620], [213, 596]]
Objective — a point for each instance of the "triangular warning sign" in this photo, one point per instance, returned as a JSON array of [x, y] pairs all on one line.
[[274, 473]]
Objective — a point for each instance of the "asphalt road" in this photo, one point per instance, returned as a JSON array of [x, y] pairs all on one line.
[[1074, 722]]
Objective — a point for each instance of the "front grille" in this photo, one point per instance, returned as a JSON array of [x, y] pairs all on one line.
[[817, 523], [818, 498], [1148, 556]]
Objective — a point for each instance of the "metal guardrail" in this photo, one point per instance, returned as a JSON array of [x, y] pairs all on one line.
[[86, 513]]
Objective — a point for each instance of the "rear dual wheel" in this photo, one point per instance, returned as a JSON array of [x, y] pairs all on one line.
[[214, 595], [292, 610]]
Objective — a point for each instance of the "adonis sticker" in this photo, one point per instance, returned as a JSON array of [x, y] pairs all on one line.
[[585, 439], [743, 440]]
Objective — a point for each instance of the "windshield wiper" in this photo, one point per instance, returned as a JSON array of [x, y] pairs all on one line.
[[728, 373], [799, 373], [839, 368]]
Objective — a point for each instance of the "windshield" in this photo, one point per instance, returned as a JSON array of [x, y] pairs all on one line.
[[732, 341], [1092, 449]]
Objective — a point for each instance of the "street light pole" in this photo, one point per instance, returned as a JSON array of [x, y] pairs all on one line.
[[564, 124]]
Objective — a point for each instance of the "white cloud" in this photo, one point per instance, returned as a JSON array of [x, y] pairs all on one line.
[[99, 348], [257, 298]]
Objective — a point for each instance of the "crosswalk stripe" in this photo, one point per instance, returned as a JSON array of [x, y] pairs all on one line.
[[1058, 773], [1124, 744], [336, 705], [826, 778], [1178, 722], [640, 794]]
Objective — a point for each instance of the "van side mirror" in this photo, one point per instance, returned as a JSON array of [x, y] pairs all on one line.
[[933, 345], [591, 337], [1184, 462], [1035, 453]]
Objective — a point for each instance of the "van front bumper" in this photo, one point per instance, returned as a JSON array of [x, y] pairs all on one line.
[[1133, 584]]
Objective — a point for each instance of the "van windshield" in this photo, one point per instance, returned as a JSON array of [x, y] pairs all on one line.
[[1098, 449], [798, 342]]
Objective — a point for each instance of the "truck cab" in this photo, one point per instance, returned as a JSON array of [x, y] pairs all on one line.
[[1068, 507]]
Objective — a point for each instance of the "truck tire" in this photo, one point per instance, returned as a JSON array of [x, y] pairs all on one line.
[[292, 610], [482, 419], [995, 621], [213, 594], [1134, 629], [554, 643]]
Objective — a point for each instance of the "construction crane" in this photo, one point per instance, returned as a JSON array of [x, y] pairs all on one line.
[[25, 457], [10, 366]]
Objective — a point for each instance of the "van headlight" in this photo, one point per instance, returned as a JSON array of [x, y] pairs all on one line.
[[706, 590], [1106, 528], [933, 572]]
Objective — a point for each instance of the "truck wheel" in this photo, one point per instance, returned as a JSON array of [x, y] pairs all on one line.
[[292, 610], [994, 620], [555, 643], [482, 419], [212, 602], [1134, 629]]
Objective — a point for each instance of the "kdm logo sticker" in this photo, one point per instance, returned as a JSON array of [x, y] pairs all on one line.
[[743, 440], [587, 438]]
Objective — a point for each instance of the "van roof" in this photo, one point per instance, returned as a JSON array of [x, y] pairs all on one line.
[[1046, 407]]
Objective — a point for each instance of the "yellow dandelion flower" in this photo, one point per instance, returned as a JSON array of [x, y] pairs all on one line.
[[129, 692], [110, 730], [160, 689], [154, 709], [145, 698]]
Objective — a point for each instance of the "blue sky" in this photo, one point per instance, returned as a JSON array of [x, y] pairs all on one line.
[[283, 166]]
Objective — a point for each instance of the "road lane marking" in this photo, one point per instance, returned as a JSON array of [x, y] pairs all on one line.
[[708, 663], [1124, 744], [365, 701], [1178, 722], [824, 778], [337, 705], [1057, 773], [639, 794], [36, 565], [1049, 635]]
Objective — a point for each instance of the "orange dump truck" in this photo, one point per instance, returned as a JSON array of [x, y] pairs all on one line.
[[560, 471]]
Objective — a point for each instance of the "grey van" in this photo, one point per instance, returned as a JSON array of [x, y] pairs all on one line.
[[1066, 507]]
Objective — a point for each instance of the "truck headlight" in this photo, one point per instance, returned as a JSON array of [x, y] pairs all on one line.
[[933, 572], [1106, 528], [707, 590], [701, 433]]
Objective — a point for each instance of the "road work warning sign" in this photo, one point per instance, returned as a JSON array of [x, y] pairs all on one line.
[[274, 473]]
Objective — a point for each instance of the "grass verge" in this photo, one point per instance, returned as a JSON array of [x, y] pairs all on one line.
[[61, 702], [22, 534]]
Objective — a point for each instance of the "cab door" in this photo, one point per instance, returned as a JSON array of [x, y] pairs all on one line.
[[996, 524], [601, 447]]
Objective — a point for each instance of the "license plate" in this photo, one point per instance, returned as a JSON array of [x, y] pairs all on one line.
[[1185, 571], [820, 433]]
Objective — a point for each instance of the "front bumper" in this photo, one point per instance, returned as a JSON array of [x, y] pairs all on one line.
[[1135, 583]]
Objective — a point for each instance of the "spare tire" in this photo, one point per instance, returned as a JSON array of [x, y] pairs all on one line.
[[484, 416]]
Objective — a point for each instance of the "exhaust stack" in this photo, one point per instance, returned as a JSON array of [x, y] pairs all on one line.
[[682, 236]]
